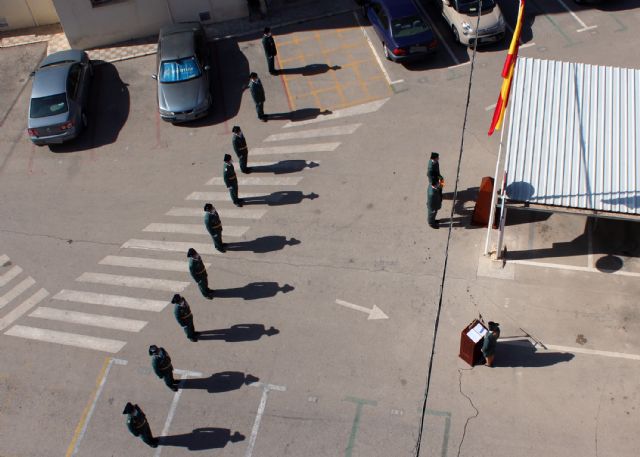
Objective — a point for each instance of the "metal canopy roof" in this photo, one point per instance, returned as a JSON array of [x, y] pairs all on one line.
[[574, 136]]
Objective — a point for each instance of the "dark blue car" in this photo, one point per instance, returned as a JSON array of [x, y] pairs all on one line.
[[404, 33]]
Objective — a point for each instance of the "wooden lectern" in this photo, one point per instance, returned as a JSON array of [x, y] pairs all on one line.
[[471, 342]]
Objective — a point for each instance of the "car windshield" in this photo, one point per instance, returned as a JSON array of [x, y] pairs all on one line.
[[408, 26], [172, 71], [48, 106], [470, 7]]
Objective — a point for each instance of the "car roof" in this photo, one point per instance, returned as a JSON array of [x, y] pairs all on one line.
[[399, 8], [50, 80], [74, 55], [177, 40]]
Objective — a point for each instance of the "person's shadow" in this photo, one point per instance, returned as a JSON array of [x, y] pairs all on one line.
[[284, 197], [302, 114], [254, 290], [201, 439], [284, 166], [521, 353], [238, 333], [219, 382], [309, 70], [263, 244]]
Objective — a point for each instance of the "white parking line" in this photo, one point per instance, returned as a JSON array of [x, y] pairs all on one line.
[[527, 45], [459, 65], [194, 229], [263, 403], [116, 301], [575, 350], [573, 268], [171, 246], [490, 107], [95, 320], [244, 213], [375, 54], [575, 16], [314, 133], [17, 290], [357, 110], [9, 275], [224, 196], [22, 308], [133, 281], [296, 148], [65, 338], [150, 264]]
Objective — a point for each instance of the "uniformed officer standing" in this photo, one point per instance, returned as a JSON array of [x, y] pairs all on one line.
[[161, 364], [138, 425], [434, 190], [257, 92], [231, 180], [214, 226], [199, 273], [182, 312], [270, 50], [240, 147]]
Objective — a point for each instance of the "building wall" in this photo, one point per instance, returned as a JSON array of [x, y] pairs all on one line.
[[20, 14], [89, 26]]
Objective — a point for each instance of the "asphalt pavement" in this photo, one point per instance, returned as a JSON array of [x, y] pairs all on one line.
[[319, 341]]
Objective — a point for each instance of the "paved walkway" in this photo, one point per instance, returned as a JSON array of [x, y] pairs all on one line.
[[281, 13]]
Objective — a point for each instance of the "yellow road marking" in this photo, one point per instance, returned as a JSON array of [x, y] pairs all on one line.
[[87, 408]]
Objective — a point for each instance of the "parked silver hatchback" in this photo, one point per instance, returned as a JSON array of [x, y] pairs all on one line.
[[183, 72], [59, 97]]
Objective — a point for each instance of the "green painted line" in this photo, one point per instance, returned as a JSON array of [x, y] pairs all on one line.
[[356, 421], [433, 412], [622, 26]]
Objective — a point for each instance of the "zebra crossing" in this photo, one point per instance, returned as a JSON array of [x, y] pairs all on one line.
[[119, 281]]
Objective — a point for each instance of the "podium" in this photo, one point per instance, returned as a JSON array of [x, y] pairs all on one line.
[[471, 342]]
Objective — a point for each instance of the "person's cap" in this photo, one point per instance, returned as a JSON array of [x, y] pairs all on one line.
[[267, 30], [153, 349], [191, 252], [176, 299], [235, 129], [227, 157], [435, 155], [128, 408], [208, 206], [253, 74]]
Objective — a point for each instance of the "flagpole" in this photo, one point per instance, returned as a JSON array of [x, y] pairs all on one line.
[[492, 211]]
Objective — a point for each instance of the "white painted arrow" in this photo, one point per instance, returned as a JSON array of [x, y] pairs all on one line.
[[374, 313]]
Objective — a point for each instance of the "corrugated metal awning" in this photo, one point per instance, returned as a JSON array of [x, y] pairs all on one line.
[[574, 136]]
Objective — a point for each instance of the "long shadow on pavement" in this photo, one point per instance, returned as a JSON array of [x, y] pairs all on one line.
[[202, 438], [521, 353], [225, 381], [254, 290], [239, 332], [284, 166], [285, 197], [261, 245]]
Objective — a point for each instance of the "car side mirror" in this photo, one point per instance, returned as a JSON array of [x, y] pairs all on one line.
[[207, 67], [154, 76]]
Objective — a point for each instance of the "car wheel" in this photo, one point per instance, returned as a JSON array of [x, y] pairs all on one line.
[[456, 35], [385, 49]]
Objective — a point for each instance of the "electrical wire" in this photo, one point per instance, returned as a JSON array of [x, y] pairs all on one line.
[[436, 323]]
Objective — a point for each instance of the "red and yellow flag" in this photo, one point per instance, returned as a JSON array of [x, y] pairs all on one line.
[[507, 74]]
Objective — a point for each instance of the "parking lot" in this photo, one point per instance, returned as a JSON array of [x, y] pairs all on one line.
[[319, 340]]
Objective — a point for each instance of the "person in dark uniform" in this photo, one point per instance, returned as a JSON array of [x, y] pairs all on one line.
[[199, 273], [270, 50], [434, 190], [240, 147], [138, 425], [490, 342], [257, 92], [161, 364], [214, 226], [182, 312], [231, 180]]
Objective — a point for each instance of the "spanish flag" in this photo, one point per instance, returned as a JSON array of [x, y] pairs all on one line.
[[507, 74]]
